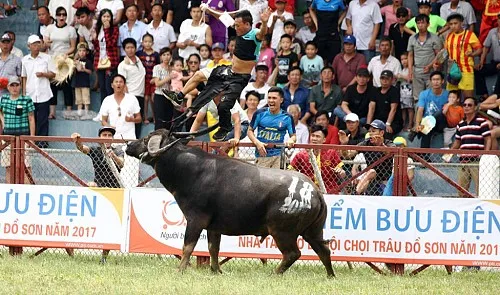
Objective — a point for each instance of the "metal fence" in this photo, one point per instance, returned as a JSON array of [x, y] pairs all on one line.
[[348, 170]]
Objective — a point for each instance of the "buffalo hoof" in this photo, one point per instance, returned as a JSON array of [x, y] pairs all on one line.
[[103, 261], [216, 271]]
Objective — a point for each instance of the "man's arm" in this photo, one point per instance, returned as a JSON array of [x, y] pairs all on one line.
[[82, 148], [371, 112], [418, 117], [345, 107], [312, 108], [456, 144], [200, 117], [487, 143], [23, 84], [261, 147], [31, 119], [264, 18], [410, 65], [104, 121], [170, 17], [237, 128], [314, 17], [373, 39]]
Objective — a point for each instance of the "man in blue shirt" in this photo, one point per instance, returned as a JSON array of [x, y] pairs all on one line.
[[268, 127], [295, 93], [430, 103]]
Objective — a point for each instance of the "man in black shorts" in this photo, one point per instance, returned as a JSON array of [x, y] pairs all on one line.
[[229, 80]]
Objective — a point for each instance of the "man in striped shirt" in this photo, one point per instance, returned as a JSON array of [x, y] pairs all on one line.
[[473, 133]]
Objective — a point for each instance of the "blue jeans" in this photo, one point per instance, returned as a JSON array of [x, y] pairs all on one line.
[[389, 186], [369, 54], [339, 113], [244, 129]]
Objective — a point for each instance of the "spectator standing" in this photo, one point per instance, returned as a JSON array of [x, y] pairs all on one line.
[[219, 30], [260, 85], [483, 69], [277, 23], [121, 110], [461, 7], [384, 106], [308, 31], [163, 110], [143, 8], [422, 49], [295, 93], [181, 9], [132, 69], [473, 133], [107, 53], [149, 59], [162, 32], [10, 64], [328, 160], [357, 97], [193, 33], [86, 25], [384, 62], [347, 63], [311, 64], [325, 96], [301, 130], [322, 118], [390, 14], [269, 126], [132, 28], [37, 70], [256, 7], [435, 22], [363, 20], [114, 6], [44, 19], [397, 33], [325, 16], [285, 60], [60, 39]]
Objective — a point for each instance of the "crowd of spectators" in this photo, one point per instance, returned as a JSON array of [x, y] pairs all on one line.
[[352, 64]]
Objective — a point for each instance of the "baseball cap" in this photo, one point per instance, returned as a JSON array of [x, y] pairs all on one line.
[[218, 45], [33, 38], [106, 128], [400, 141], [14, 80], [6, 37], [387, 74], [376, 124], [363, 71], [290, 22], [351, 117], [350, 39], [261, 67], [423, 2]]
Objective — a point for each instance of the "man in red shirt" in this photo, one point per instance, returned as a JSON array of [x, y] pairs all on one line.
[[322, 118], [328, 161]]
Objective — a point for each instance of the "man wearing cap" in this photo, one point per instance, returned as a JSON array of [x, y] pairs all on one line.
[[384, 61], [354, 133], [277, 22], [10, 64], [385, 106], [163, 33], [219, 30], [346, 63], [37, 70], [325, 15], [357, 97], [397, 32], [13, 49], [381, 172], [260, 85]]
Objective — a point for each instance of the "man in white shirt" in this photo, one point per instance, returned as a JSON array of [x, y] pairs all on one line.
[[384, 61], [463, 8], [276, 22], [133, 71], [132, 28], [308, 31], [37, 70], [301, 130], [162, 32], [260, 85], [363, 20]]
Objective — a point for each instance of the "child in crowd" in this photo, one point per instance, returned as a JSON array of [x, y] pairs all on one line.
[[454, 113], [435, 21], [311, 64], [297, 44], [230, 49], [176, 75], [266, 53], [84, 66], [205, 55], [149, 59], [276, 23], [286, 60], [406, 94]]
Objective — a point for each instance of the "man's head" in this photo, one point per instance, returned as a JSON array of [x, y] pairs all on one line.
[[455, 21], [327, 74], [295, 75], [243, 22], [349, 44], [118, 83], [14, 86], [352, 122], [290, 27], [437, 80], [5, 42], [470, 106], [402, 15], [286, 42], [83, 15], [307, 19], [294, 111], [131, 12], [252, 99], [385, 46], [195, 13], [43, 15], [218, 50], [377, 131], [362, 76], [274, 99], [322, 118], [422, 21], [34, 44], [157, 11], [261, 73], [424, 7], [280, 5], [318, 134], [386, 78], [106, 132], [130, 46]]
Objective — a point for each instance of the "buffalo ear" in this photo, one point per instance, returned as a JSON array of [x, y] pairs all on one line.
[[154, 144]]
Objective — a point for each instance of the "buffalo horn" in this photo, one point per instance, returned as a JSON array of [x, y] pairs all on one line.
[[195, 134], [154, 144], [163, 149]]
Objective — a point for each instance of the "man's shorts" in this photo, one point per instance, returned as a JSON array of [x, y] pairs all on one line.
[[269, 162], [5, 158], [407, 102], [466, 83]]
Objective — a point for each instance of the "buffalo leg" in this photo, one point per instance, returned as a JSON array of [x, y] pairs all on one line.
[[213, 248], [323, 252], [191, 237], [288, 247]]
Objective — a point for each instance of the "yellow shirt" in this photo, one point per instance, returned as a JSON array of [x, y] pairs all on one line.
[[457, 48]]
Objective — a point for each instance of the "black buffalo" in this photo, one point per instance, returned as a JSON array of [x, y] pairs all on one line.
[[228, 196]]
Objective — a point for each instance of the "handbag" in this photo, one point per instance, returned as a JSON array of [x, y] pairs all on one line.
[[91, 4], [104, 64], [454, 72]]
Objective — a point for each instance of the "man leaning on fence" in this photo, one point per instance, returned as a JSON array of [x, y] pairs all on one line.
[[473, 133]]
